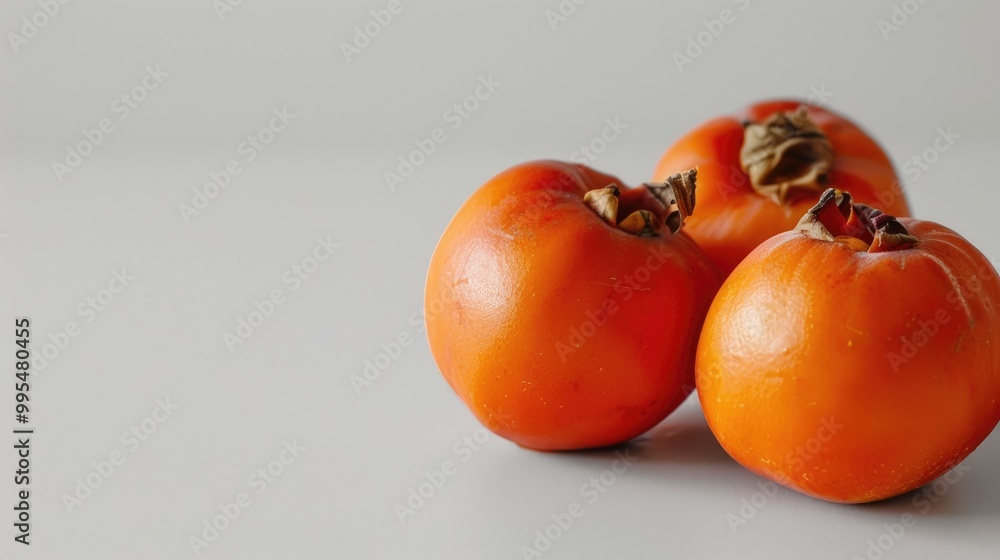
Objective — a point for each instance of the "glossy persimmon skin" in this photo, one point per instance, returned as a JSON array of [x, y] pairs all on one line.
[[805, 380], [732, 218], [522, 265]]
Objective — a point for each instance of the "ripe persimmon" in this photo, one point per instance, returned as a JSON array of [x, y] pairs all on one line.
[[762, 168], [564, 310], [855, 358]]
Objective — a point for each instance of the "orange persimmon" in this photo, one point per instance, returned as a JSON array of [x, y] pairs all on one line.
[[564, 310], [856, 357], [762, 168]]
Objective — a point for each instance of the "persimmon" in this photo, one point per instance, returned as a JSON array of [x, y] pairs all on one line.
[[564, 309], [855, 358], [762, 168]]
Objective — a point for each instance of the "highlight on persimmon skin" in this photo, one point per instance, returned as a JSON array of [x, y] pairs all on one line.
[[763, 167], [564, 308], [855, 358]]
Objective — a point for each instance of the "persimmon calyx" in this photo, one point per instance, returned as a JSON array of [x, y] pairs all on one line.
[[640, 222], [786, 155], [604, 202], [675, 196], [836, 217]]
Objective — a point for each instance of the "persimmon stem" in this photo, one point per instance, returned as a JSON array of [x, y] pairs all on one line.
[[786, 155], [675, 197], [836, 217]]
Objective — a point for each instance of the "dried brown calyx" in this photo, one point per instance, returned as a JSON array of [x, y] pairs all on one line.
[[785, 156], [675, 198], [836, 217]]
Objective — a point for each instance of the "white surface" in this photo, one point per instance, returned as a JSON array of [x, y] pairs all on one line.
[[323, 175]]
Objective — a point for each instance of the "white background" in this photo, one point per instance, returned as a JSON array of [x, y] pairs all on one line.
[[323, 175]]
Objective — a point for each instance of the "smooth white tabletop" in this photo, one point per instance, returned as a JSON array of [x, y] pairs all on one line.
[[162, 337]]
